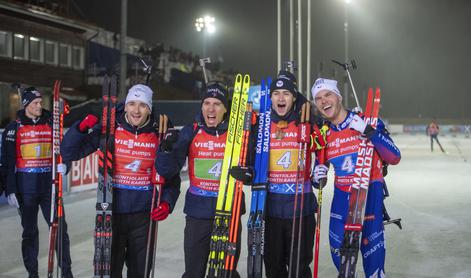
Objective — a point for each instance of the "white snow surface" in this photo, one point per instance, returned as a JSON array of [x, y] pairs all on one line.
[[431, 191]]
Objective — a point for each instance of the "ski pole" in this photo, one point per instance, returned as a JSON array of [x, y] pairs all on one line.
[[322, 183], [346, 67], [299, 172], [152, 231], [305, 135]]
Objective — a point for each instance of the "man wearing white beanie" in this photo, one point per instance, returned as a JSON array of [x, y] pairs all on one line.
[[135, 153], [342, 141]]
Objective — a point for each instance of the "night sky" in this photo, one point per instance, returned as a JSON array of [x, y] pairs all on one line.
[[417, 51]]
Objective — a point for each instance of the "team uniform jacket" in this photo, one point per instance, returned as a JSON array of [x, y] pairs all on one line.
[[204, 147], [341, 152], [26, 158], [135, 151]]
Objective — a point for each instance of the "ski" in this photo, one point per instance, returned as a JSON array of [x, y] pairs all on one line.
[[237, 199], [359, 192], [219, 247], [103, 231], [256, 222], [56, 215]]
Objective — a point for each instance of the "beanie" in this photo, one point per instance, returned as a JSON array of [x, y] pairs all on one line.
[[140, 92], [324, 84], [28, 95], [216, 90]]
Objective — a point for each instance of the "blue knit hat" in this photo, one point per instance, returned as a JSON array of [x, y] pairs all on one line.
[[28, 95]]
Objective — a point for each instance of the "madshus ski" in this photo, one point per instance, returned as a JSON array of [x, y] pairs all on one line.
[[256, 222], [222, 245], [103, 232], [358, 193], [57, 208]]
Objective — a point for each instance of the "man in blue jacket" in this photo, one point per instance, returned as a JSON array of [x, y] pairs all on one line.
[[203, 143], [135, 149], [26, 165]]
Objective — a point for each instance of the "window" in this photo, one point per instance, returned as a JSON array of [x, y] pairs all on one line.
[[20, 47], [65, 55], [36, 50], [51, 52], [5, 44], [78, 57]]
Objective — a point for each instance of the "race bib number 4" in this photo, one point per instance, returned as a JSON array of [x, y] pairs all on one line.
[[283, 160], [208, 169]]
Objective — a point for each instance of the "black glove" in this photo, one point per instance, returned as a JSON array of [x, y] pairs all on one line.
[[243, 174], [171, 136]]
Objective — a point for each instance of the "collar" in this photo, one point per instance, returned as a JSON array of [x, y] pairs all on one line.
[[343, 125]]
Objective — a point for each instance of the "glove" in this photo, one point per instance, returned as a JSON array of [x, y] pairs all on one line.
[[13, 201], [243, 174], [161, 212], [169, 139], [61, 168], [320, 172], [87, 123], [358, 124]]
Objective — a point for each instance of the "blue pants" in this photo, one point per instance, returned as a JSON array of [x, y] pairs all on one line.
[[372, 242], [29, 207]]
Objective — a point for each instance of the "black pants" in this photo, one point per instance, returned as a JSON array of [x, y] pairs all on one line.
[[29, 208], [278, 245], [435, 137], [196, 247], [129, 244]]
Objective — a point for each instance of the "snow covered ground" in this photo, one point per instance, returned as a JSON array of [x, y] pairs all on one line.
[[430, 191]]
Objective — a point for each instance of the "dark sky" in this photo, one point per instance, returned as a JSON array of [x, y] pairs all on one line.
[[417, 51]]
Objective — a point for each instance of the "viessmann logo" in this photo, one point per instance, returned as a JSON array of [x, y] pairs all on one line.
[[131, 144], [210, 145]]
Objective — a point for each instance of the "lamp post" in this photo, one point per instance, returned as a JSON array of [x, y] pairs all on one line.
[[206, 25]]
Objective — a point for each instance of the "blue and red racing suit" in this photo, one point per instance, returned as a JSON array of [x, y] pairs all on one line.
[[341, 152]]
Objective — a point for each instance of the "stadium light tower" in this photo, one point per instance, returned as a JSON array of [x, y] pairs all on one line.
[[205, 25]]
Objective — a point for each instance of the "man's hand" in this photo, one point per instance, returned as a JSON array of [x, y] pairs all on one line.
[[89, 122], [169, 139], [243, 174], [320, 172], [13, 201], [358, 124], [61, 168], [161, 212]]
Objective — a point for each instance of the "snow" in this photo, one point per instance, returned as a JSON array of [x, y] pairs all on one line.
[[429, 190]]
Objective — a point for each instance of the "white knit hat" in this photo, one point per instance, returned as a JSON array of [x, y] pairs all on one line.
[[142, 93], [325, 84]]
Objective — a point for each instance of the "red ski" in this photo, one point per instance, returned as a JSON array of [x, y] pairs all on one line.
[[359, 192]]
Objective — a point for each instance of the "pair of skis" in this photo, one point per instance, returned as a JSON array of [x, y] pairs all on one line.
[[256, 223], [57, 207], [103, 231], [226, 222], [158, 182], [359, 192]]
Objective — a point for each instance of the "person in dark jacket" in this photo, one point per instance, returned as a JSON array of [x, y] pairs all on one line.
[[283, 156], [26, 165], [203, 143], [135, 149]]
